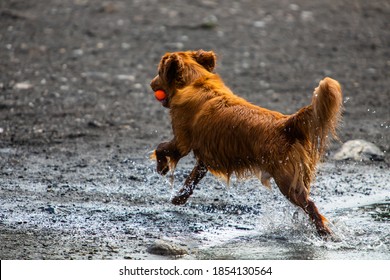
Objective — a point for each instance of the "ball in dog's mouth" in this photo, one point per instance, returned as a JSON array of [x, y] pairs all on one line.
[[160, 95]]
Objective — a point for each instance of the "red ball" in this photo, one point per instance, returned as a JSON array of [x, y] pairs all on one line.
[[160, 95]]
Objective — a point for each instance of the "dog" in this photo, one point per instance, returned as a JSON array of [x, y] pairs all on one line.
[[230, 136]]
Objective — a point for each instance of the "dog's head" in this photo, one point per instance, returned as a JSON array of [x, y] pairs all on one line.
[[179, 69]]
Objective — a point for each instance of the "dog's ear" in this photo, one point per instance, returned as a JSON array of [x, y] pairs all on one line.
[[206, 59], [171, 68]]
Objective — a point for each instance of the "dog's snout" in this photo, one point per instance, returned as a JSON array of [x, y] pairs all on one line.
[[154, 84]]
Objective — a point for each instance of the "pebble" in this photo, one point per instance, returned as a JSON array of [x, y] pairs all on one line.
[[125, 46], [98, 75], [209, 22], [23, 85], [359, 150], [49, 209], [95, 124], [259, 24], [175, 45], [78, 52], [126, 77], [307, 16], [294, 7]]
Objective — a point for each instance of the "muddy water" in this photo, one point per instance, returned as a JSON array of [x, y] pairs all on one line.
[[118, 211]]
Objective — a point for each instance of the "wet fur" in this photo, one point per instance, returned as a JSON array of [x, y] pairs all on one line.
[[228, 135]]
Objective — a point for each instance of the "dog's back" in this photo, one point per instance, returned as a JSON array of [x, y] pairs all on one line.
[[232, 135]]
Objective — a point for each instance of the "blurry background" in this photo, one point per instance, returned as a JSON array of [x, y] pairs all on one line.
[[79, 68]]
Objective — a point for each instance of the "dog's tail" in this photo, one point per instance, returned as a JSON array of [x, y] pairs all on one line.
[[315, 122]]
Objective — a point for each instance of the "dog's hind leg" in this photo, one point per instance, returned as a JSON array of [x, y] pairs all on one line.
[[318, 220], [310, 208], [300, 197], [192, 180]]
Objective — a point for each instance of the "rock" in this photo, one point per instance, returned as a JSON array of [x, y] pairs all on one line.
[[294, 7], [177, 45], [307, 16], [49, 209], [359, 150], [23, 85], [95, 75], [125, 77], [125, 46], [164, 248], [95, 124], [259, 24], [209, 22], [78, 52]]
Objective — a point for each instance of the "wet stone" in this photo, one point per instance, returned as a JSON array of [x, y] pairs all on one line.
[[209, 22], [164, 248], [49, 209], [359, 150], [23, 86]]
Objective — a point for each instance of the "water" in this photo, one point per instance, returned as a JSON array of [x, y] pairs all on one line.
[[118, 213], [361, 230], [359, 233], [354, 198]]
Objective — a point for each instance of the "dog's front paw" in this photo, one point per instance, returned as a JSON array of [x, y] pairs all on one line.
[[162, 163], [182, 196], [179, 200], [162, 167]]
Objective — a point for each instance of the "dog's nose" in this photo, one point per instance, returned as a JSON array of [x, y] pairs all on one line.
[[154, 84]]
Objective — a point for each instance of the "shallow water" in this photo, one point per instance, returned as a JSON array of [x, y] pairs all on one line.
[[359, 233], [118, 213], [356, 202]]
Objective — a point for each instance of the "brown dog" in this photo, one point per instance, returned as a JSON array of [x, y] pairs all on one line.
[[229, 135]]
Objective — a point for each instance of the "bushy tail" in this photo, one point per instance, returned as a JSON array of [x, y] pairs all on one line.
[[316, 121], [327, 105]]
